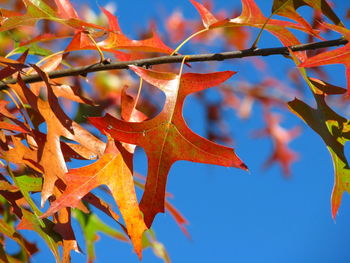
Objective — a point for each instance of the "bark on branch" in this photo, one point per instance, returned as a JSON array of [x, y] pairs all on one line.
[[178, 59]]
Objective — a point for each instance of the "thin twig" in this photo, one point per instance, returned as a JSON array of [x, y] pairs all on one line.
[[178, 59]]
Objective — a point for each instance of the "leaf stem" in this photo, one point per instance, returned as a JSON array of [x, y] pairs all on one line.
[[102, 56], [137, 96], [188, 39], [44, 59], [255, 44]]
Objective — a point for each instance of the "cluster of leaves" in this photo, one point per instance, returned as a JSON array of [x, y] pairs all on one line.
[[45, 127]]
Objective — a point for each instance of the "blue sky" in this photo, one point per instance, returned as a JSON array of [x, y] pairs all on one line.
[[236, 216]]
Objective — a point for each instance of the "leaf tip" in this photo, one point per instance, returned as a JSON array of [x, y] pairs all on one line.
[[336, 200], [244, 167]]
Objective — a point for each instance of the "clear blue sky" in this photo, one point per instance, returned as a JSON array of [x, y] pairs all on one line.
[[236, 216]]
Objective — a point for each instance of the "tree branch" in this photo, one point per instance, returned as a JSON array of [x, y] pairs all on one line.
[[178, 59]]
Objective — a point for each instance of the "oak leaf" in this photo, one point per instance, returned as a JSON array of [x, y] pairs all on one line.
[[332, 128], [288, 8], [39, 10], [252, 16], [335, 132], [340, 55], [166, 138], [117, 40], [280, 138], [114, 170], [58, 124]]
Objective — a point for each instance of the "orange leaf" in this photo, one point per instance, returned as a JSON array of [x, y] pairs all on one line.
[[58, 124], [166, 138], [113, 171], [11, 127], [12, 66], [117, 40], [208, 18]]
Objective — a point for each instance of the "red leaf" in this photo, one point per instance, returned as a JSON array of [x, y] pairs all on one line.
[[166, 138], [252, 16], [280, 138], [65, 9], [117, 40], [207, 18], [11, 127], [340, 55]]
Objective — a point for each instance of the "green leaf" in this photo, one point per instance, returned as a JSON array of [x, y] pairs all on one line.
[[34, 49], [28, 184]]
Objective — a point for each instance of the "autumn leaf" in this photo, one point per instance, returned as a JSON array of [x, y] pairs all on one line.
[[340, 55], [6, 186], [116, 39], [288, 8], [21, 154], [180, 220], [65, 9], [128, 108], [252, 16], [280, 138], [332, 128], [58, 124], [12, 66], [39, 10], [208, 18], [114, 170], [325, 88], [7, 62], [166, 138], [335, 132], [11, 127], [129, 113]]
